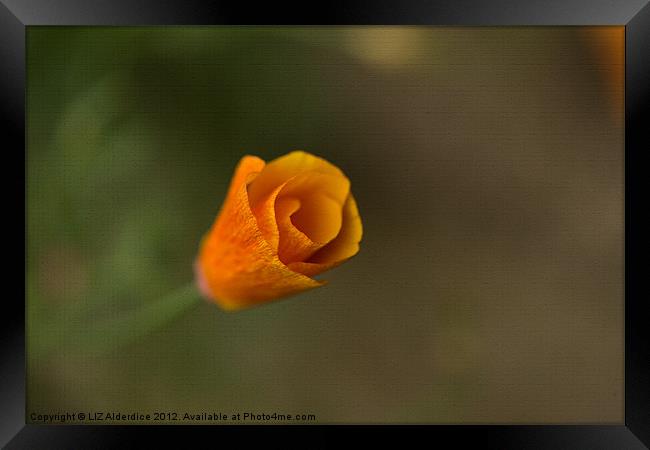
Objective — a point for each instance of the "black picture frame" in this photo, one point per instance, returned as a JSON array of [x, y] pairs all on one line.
[[15, 15]]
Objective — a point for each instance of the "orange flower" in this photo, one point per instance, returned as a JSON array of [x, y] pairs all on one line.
[[281, 224]]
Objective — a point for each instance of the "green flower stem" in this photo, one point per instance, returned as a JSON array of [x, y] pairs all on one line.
[[120, 331], [115, 332]]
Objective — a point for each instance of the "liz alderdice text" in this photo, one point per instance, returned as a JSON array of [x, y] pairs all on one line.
[[96, 417]]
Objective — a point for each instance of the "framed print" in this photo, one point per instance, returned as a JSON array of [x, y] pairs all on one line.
[[423, 216]]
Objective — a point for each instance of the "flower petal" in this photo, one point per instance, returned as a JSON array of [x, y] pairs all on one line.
[[343, 247], [236, 263], [294, 245], [264, 212], [320, 218], [283, 168], [306, 216], [314, 216]]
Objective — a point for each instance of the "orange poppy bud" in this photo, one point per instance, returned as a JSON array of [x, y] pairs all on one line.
[[281, 224]]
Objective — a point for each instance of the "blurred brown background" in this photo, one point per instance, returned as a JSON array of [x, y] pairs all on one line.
[[488, 168]]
